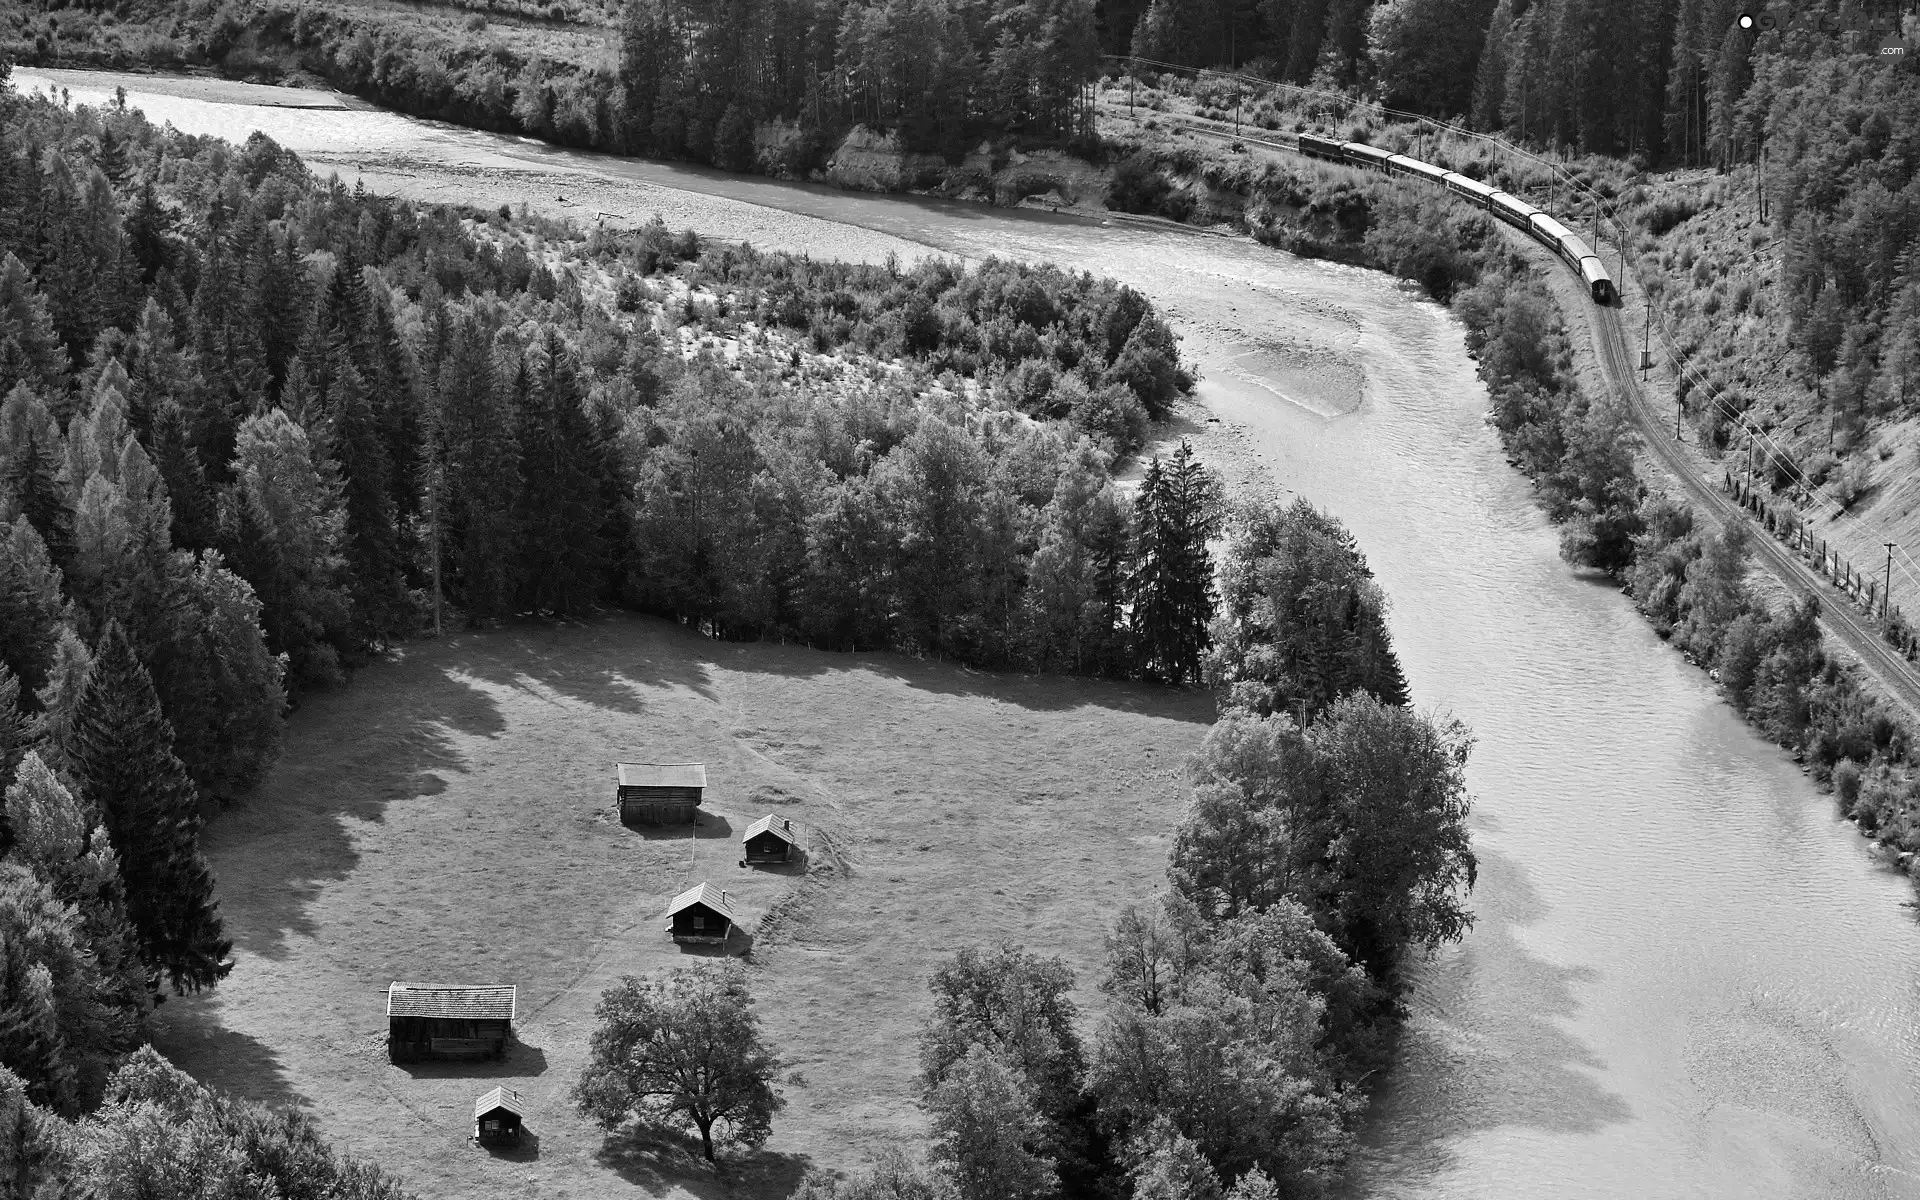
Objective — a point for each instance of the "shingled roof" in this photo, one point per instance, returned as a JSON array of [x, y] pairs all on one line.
[[708, 895], [460, 1002], [498, 1098], [662, 774], [778, 826]]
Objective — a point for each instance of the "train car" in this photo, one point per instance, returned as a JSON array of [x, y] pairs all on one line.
[[1403, 165], [1319, 147], [1557, 238], [1595, 276], [1362, 155], [1512, 210], [1472, 189]]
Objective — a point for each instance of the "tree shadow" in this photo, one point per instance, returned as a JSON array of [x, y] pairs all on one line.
[[394, 728], [1035, 693], [659, 1159], [521, 1061], [188, 1030], [1515, 1066], [531, 655]]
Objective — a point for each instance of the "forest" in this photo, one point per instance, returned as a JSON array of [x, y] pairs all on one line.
[[258, 428]]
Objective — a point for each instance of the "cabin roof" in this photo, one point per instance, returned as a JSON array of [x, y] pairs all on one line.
[[662, 774], [707, 894], [772, 823], [460, 1002], [499, 1097]]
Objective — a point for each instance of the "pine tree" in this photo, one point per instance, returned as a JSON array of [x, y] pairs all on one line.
[[60, 696], [60, 839], [1175, 514], [1490, 76], [32, 457], [194, 525], [479, 537], [150, 234], [122, 754], [563, 559], [18, 732], [31, 605], [372, 543], [30, 348]]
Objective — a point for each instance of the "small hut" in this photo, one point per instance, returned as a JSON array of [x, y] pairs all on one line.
[[768, 840], [496, 1116], [660, 793], [702, 914], [448, 1021]]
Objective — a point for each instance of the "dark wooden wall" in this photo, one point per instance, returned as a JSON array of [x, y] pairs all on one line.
[[414, 1039]]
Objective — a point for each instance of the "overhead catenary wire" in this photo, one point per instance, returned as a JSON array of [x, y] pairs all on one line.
[[1604, 215]]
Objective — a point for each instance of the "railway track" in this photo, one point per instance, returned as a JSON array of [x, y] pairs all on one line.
[[1857, 632], [1847, 625]]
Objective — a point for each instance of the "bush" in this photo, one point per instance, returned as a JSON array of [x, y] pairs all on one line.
[[1138, 186]]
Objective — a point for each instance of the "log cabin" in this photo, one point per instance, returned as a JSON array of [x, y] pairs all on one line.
[[702, 914], [769, 840], [448, 1021], [660, 793]]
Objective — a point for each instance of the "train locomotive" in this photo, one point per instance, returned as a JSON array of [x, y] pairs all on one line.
[[1511, 209]]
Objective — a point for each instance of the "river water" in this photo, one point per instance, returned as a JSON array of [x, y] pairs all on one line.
[[1688, 977]]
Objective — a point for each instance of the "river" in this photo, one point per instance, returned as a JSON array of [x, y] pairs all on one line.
[[1688, 977]]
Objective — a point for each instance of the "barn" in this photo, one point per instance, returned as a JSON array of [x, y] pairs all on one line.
[[703, 914], [496, 1116], [448, 1021], [768, 840], [660, 793]]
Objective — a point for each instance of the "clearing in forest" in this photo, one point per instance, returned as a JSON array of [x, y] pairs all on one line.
[[449, 817]]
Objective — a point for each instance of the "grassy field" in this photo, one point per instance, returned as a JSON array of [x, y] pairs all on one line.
[[448, 817]]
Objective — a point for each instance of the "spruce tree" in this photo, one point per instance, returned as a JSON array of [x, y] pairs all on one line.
[[31, 605], [563, 559], [1175, 514], [32, 457], [17, 733], [178, 462], [121, 748], [479, 537], [60, 696], [59, 838], [372, 542]]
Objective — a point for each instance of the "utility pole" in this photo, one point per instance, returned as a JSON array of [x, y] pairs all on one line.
[[1886, 593], [1646, 335], [1130, 77]]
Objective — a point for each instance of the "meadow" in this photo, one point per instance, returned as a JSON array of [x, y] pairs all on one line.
[[449, 817]]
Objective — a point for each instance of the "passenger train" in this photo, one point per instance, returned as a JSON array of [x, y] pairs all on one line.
[[1514, 211]]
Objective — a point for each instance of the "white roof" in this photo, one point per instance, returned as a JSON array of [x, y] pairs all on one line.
[[707, 894], [662, 774], [776, 825]]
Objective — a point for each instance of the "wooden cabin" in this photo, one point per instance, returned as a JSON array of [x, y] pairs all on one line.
[[496, 1116], [703, 915], [448, 1021], [769, 840], [660, 793]]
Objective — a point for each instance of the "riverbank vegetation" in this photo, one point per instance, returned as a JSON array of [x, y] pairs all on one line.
[[1245, 1007]]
